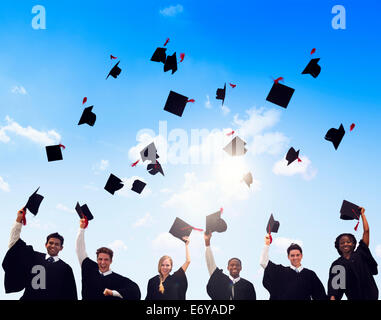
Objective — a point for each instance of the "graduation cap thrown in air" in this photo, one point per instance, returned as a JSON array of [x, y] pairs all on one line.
[[215, 223], [312, 68], [176, 103], [180, 229], [154, 168], [84, 212], [272, 226], [138, 186], [34, 202], [159, 55], [54, 152], [113, 184], [236, 147], [220, 94], [115, 71], [335, 135], [248, 178], [350, 211], [292, 155], [280, 94], [171, 63], [149, 153], [88, 116]]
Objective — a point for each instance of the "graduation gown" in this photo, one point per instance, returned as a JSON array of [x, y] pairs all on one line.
[[18, 265], [175, 287], [94, 283], [284, 283], [359, 271], [220, 287]]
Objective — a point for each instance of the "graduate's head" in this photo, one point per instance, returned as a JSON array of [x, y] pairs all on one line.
[[345, 243], [165, 265], [295, 255], [104, 259], [234, 267], [54, 243]]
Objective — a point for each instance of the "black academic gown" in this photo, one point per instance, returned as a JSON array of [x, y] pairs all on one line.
[[20, 269], [94, 284], [359, 272], [220, 287], [284, 283], [175, 287]]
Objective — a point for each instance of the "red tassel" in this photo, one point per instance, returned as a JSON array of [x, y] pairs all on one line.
[[357, 225], [278, 79], [197, 229], [23, 220], [166, 41], [84, 100], [182, 56], [230, 133], [299, 160], [232, 85], [271, 238], [62, 146], [221, 209], [352, 127], [112, 57], [135, 163], [313, 51], [191, 100]]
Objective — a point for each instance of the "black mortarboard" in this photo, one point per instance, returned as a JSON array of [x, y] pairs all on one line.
[[88, 116], [280, 94], [180, 229], [113, 184], [83, 211], [248, 178], [34, 202], [220, 94], [138, 186], [149, 153], [312, 68], [335, 135], [236, 147], [175, 103], [272, 225], [349, 211], [171, 63], [292, 155], [159, 55], [215, 223], [154, 168], [54, 152], [115, 71]]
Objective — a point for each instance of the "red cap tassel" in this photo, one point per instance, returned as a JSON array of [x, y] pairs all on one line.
[[197, 229], [62, 146], [135, 163], [278, 79], [299, 160], [191, 100], [357, 225], [23, 217], [182, 56], [86, 221], [271, 238]]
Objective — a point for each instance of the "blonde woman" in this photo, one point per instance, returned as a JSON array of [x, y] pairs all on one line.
[[165, 286]]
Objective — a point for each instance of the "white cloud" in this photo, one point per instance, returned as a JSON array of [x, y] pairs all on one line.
[[225, 110], [303, 168], [272, 143], [40, 137], [144, 221], [281, 244], [208, 105], [61, 207], [166, 241], [19, 90], [4, 185], [36, 223], [144, 139], [378, 250], [166, 190], [172, 10], [117, 245], [101, 166]]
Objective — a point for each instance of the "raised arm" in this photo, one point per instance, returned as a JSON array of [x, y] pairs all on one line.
[[365, 236], [264, 260], [80, 246], [210, 263], [187, 256], [16, 229]]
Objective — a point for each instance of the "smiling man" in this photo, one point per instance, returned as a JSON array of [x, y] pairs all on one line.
[[99, 282], [223, 287], [290, 283], [43, 276]]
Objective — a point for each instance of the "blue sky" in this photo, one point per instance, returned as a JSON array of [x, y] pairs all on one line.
[[44, 75]]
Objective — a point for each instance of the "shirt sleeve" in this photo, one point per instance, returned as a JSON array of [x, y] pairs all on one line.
[[264, 260], [116, 294], [80, 246], [210, 260], [15, 234]]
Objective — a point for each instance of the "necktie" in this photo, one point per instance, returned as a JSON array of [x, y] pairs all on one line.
[[50, 259]]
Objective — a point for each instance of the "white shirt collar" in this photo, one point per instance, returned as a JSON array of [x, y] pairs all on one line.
[[105, 273], [299, 269], [47, 256], [234, 280]]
